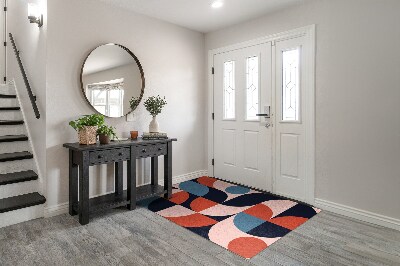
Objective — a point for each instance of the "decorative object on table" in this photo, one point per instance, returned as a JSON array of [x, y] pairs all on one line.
[[154, 105], [153, 135], [238, 218], [134, 134], [87, 128], [105, 133]]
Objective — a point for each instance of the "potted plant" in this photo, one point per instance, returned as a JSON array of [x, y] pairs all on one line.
[[154, 106], [105, 133], [87, 128]]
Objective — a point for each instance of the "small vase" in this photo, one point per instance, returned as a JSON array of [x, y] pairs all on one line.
[[104, 139], [154, 127]]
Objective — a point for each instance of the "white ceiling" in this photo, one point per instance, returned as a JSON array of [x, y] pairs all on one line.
[[198, 14]]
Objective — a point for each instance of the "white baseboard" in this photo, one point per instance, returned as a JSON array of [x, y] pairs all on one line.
[[56, 210], [62, 208], [358, 214], [186, 177]]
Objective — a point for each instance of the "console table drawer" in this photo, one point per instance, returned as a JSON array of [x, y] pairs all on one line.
[[109, 156], [152, 150]]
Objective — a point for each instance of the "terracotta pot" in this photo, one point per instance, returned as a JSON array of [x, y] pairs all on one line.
[[87, 135], [104, 139], [134, 134]]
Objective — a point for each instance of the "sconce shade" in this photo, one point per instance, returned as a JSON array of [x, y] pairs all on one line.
[[34, 14]]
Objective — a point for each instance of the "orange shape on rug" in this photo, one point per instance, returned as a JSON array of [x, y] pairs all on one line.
[[247, 247], [206, 180], [194, 220], [289, 222], [200, 204], [179, 197], [260, 211]]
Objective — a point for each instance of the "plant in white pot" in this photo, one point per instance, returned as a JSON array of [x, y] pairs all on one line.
[[87, 128], [154, 106]]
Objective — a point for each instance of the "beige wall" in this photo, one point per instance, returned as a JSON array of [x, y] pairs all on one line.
[[173, 61], [31, 42], [357, 96]]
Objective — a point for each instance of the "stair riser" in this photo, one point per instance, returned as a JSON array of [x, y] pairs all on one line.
[[10, 115], [7, 102], [17, 146], [17, 189], [21, 215], [17, 166], [6, 89], [12, 130]]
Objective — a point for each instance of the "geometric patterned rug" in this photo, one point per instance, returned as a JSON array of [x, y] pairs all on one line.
[[240, 219]]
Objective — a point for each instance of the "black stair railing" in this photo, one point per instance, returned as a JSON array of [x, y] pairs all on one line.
[[26, 81]]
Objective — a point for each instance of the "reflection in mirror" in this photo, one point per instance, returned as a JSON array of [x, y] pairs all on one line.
[[111, 76]]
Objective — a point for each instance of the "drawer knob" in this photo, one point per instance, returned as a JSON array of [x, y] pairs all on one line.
[[144, 150], [120, 154], [160, 149], [100, 156]]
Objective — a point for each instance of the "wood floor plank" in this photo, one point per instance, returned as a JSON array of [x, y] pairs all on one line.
[[141, 237], [152, 230]]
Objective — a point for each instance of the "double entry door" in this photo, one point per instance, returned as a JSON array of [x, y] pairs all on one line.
[[259, 132]]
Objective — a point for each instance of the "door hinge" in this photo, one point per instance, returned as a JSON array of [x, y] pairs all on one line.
[[212, 162], [212, 116], [5, 79], [5, 9], [5, 44], [212, 70]]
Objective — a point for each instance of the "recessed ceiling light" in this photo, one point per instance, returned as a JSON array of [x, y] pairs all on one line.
[[217, 4]]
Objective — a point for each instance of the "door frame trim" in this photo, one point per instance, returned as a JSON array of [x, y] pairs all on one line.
[[309, 33]]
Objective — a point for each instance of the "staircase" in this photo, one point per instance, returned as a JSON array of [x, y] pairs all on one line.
[[20, 199]]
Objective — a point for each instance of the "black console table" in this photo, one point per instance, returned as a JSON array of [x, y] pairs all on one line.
[[83, 156]]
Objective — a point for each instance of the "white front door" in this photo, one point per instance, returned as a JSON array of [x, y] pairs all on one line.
[[290, 88], [242, 142]]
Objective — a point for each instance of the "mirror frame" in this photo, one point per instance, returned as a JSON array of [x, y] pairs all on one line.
[[137, 63]]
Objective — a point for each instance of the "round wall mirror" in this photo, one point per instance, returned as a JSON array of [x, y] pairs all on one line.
[[111, 75]]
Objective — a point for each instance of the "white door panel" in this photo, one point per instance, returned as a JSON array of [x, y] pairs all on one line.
[[290, 129], [242, 143]]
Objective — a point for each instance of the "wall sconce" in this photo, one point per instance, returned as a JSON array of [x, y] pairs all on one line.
[[34, 15]]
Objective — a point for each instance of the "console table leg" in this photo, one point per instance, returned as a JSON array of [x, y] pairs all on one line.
[[84, 189], [118, 178], [132, 183], [73, 184], [168, 171], [154, 170]]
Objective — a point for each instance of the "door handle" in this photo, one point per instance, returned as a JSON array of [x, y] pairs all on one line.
[[264, 115]]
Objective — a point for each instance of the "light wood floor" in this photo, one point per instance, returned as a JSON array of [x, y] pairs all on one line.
[[140, 237]]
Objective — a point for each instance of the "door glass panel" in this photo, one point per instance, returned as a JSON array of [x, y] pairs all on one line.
[[252, 84], [290, 85], [229, 90]]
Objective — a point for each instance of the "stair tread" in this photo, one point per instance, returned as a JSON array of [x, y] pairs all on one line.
[[11, 138], [17, 177], [21, 201], [5, 157], [8, 96], [11, 108], [11, 122]]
